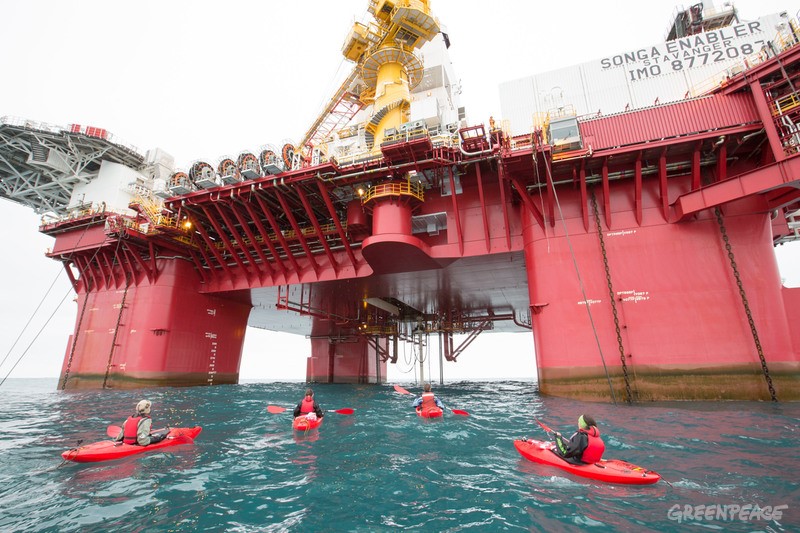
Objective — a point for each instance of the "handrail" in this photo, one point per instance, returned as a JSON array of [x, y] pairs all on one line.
[[52, 128], [405, 135], [787, 103], [394, 188]]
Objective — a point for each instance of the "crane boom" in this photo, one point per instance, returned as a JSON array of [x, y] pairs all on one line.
[[341, 108]]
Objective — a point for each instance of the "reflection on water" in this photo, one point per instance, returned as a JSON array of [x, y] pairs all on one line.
[[383, 468]]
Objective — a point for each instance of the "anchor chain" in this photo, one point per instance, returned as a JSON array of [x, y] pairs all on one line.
[[746, 304], [629, 396]]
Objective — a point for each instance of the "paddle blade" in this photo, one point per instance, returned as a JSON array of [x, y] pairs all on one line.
[[345, 411], [547, 429], [274, 409], [400, 389], [113, 431], [459, 412]]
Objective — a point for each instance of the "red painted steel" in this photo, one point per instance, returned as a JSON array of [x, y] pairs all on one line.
[[354, 361], [763, 110], [781, 174], [265, 238], [298, 232], [791, 301], [391, 215], [474, 259], [678, 312], [669, 121], [168, 333], [315, 223]]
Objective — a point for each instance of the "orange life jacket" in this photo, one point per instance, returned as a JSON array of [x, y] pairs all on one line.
[[594, 450], [307, 405], [428, 401], [130, 430]]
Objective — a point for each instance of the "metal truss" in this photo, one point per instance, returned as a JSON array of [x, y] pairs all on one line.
[[41, 164]]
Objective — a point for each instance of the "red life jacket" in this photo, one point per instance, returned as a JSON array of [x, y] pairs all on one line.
[[307, 405], [130, 430], [427, 401], [594, 450]]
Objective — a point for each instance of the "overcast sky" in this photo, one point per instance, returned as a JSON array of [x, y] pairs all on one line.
[[200, 79]]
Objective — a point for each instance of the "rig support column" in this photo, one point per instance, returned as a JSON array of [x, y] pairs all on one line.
[[168, 334], [683, 329], [350, 360]]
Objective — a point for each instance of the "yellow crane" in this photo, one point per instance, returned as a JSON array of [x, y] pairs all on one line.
[[386, 68]]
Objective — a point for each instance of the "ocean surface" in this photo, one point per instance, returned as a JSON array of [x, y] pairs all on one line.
[[727, 466]]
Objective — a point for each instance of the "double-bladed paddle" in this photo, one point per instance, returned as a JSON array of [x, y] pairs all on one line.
[[459, 412], [400, 389], [544, 427], [275, 409], [113, 431]]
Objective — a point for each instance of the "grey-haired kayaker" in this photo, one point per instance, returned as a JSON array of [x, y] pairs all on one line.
[[136, 429]]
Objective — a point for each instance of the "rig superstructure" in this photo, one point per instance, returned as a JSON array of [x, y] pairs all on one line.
[[636, 246]]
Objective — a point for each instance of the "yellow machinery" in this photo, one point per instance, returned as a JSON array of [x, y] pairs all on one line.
[[383, 51]]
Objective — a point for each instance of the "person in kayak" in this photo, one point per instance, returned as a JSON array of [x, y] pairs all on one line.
[[584, 447], [136, 429], [308, 405], [427, 400]]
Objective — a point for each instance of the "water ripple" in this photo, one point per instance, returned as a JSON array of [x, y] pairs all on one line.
[[383, 468]]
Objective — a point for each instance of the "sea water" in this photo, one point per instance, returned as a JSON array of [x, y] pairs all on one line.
[[725, 466]]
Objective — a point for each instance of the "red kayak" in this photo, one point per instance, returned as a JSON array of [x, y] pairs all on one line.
[[611, 471], [431, 412], [107, 450], [303, 423]]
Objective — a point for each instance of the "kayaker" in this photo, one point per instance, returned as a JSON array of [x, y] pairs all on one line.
[[308, 405], [585, 445], [136, 429], [427, 400]]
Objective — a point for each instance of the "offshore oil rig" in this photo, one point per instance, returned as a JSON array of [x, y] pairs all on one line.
[[636, 247]]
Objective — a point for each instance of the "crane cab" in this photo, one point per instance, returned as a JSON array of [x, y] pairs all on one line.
[[564, 135]]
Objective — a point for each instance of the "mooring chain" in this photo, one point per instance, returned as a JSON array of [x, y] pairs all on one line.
[[746, 304], [629, 397]]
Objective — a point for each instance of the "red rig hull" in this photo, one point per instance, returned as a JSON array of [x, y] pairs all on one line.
[[683, 330], [642, 262], [164, 333]]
